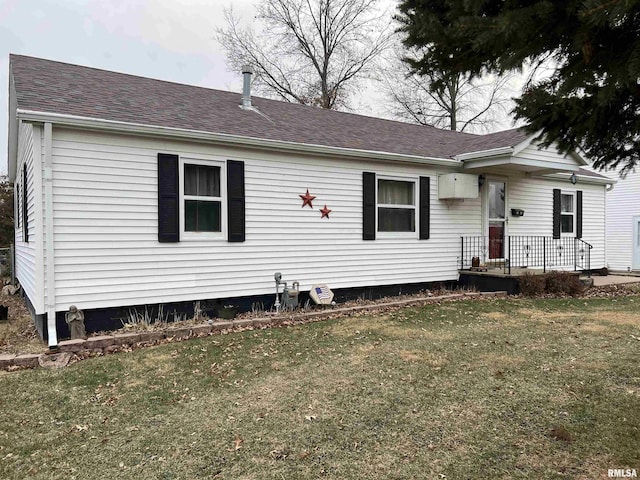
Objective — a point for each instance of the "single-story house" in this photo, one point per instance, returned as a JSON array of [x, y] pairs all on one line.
[[132, 191], [623, 223]]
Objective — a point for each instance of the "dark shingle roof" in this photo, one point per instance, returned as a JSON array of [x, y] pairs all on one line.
[[506, 138], [589, 173], [55, 87]]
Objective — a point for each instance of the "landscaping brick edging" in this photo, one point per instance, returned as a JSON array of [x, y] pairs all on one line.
[[107, 344]]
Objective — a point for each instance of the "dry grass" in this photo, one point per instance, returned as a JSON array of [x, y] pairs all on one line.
[[504, 389]]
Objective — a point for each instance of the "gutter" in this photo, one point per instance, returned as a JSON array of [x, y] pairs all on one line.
[[582, 178], [225, 139]]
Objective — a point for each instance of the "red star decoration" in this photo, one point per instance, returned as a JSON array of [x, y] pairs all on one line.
[[325, 212], [307, 199]]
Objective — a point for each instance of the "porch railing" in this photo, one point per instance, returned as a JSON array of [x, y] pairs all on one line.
[[525, 251]]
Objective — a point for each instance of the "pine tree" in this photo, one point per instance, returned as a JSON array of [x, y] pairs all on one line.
[[6, 212], [590, 102]]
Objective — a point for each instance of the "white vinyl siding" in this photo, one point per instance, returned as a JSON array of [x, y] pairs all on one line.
[[623, 203], [535, 196], [107, 253], [106, 239], [26, 251], [535, 155]]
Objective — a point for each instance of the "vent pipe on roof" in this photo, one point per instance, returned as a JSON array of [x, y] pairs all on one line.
[[246, 86]]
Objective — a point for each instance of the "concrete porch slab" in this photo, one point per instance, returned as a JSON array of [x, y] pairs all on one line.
[[599, 281]]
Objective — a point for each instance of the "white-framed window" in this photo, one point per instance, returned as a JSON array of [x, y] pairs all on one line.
[[18, 212], [567, 213], [396, 205], [202, 193]]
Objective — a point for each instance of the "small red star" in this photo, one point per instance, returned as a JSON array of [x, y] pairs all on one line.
[[325, 212], [307, 199]]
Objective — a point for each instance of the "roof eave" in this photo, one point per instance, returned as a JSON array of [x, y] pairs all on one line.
[[484, 154], [224, 139], [526, 142], [13, 127], [581, 178]]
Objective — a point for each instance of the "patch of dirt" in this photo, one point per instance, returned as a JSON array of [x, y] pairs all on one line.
[[366, 348], [359, 325], [18, 334], [410, 356], [585, 365], [495, 315], [593, 327], [536, 315], [414, 356], [498, 361], [157, 364], [617, 318], [382, 326]]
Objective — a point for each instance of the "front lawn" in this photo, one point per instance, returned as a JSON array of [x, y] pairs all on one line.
[[509, 388]]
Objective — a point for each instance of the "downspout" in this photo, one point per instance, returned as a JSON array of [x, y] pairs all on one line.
[[607, 189], [50, 303]]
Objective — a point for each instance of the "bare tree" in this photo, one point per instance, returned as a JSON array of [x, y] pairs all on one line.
[[308, 51], [446, 100]]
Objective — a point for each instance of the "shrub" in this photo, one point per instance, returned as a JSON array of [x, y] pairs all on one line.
[[532, 285], [554, 283], [563, 283]]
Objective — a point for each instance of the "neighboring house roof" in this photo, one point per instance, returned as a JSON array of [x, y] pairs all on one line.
[[61, 88]]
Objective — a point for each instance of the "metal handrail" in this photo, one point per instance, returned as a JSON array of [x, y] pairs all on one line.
[[524, 251]]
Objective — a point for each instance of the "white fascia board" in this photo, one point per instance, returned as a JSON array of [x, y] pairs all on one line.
[[13, 131], [521, 162], [581, 178], [226, 139], [494, 152], [526, 142]]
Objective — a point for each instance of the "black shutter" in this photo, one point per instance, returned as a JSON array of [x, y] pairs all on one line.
[[25, 205], [579, 214], [18, 211], [556, 213], [235, 201], [368, 206], [168, 198], [425, 205]]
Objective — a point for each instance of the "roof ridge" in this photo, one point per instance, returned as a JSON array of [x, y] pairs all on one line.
[[69, 89], [96, 69]]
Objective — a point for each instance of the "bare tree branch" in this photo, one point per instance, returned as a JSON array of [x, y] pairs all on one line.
[[445, 100], [309, 51]]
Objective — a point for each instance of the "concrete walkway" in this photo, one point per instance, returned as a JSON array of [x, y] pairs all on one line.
[[614, 280]]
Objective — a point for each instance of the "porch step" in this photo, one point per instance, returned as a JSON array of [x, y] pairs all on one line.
[[586, 281]]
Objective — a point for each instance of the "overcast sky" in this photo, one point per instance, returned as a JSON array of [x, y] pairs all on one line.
[[165, 39]]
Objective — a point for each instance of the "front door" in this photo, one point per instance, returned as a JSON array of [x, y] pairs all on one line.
[[496, 216], [636, 243]]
